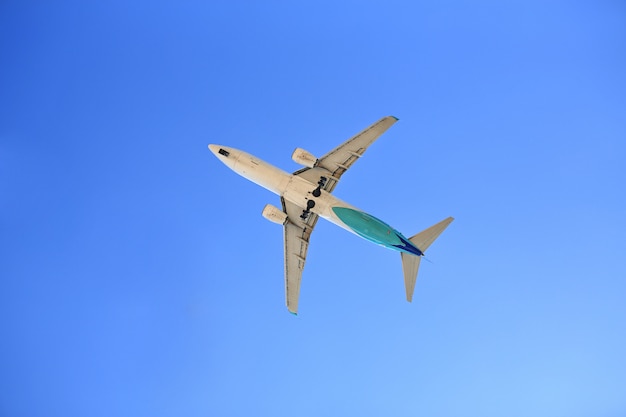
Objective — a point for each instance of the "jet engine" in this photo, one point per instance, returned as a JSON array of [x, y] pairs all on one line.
[[303, 157], [274, 214]]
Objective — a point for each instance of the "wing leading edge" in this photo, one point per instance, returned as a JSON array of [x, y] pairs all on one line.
[[297, 231]]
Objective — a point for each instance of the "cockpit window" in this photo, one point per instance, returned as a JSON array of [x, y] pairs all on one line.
[[223, 152]]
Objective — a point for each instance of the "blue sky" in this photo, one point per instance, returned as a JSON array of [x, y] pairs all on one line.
[[138, 278]]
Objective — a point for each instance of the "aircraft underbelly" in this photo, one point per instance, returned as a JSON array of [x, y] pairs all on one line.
[[261, 173], [300, 192]]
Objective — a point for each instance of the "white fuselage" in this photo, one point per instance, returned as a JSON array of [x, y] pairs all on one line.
[[292, 188], [303, 198]]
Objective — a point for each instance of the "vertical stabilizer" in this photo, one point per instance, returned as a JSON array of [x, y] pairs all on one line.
[[411, 263]]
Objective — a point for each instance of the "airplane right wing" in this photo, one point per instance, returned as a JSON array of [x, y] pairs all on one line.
[[297, 230], [336, 162], [296, 236]]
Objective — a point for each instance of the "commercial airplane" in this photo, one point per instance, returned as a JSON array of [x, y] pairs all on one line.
[[306, 195]]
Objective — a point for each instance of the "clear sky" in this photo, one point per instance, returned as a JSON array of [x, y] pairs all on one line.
[[138, 278]]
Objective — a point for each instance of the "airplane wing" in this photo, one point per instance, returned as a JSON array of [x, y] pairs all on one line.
[[296, 236], [298, 231], [336, 162]]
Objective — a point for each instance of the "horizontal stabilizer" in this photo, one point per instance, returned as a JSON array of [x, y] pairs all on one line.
[[425, 238], [411, 263]]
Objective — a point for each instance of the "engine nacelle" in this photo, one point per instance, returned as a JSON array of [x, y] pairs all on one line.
[[274, 214], [303, 157]]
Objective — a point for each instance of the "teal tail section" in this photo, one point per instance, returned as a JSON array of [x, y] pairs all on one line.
[[375, 230], [411, 249], [411, 263]]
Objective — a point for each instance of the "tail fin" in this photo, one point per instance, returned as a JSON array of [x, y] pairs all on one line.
[[411, 263]]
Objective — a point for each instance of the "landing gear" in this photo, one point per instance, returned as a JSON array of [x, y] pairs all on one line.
[[321, 183], [305, 213], [316, 193]]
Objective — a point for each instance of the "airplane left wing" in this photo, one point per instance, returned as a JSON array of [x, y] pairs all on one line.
[[296, 236], [336, 162]]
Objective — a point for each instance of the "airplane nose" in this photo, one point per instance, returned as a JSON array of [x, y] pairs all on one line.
[[225, 154], [214, 149], [220, 151]]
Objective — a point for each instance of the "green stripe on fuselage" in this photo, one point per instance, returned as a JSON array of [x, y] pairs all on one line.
[[369, 227]]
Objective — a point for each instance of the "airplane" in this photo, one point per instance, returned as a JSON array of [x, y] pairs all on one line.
[[306, 195]]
